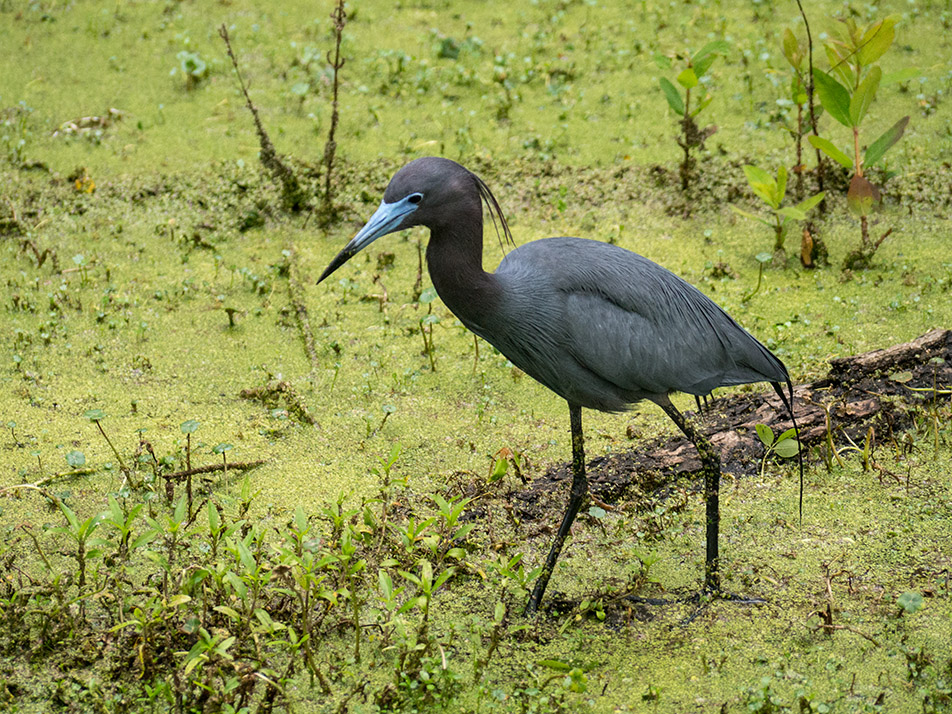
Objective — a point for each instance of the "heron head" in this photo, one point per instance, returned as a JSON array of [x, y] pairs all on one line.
[[425, 192]]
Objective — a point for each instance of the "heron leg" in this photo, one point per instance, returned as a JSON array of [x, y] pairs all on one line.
[[577, 495], [711, 468]]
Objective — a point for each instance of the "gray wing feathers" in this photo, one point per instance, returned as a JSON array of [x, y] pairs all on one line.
[[609, 327]]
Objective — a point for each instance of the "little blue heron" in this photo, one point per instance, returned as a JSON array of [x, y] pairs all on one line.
[[600, 326]]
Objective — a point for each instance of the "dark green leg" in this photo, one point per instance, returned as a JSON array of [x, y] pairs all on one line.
[[579, 489], [711, 468]]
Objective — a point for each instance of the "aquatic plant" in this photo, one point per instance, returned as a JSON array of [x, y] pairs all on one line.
[[691, 137], [846, 92]]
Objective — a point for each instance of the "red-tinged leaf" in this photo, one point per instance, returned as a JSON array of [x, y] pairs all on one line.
[[862, 195]]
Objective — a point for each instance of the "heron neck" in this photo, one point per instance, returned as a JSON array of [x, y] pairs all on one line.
[[454, 257]]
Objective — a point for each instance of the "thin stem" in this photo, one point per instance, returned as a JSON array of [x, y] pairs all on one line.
[[810, 94], [857, 161], [330, 148]]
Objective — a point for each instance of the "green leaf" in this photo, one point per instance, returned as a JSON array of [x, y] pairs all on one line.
[[754, 216], [828, 148], [704, 57], [864, 95], [762, 184], [181, 508], [556, 664], [214, 517], [764, 257], [910, 601], [95, 414], [765, 434], [76, 459], [781, 184], [834, 97], [386, 584], [70, 516], [701, 105], [663, 61], [179, 599], [755, 174], [463, 531], [787, 448], [239, 586], [410, 576], [687, 78], [143, 539], [791, 48], [672, 95], [876, 40], [798, 93], [878, 148], [443, 577], [499, 613], [499, 470], [793, 213], [246, 558], [807, 204], [902, 75], [189, 426]]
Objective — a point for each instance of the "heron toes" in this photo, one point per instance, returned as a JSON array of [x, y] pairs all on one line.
[[705, 404]]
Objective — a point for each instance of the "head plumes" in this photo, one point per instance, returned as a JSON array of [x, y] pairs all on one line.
[[495, 211]]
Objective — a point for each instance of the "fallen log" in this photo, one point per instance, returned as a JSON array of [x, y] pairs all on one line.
[[882, 389]]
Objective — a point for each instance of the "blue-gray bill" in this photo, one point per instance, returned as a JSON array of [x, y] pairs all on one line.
[[388, 218]]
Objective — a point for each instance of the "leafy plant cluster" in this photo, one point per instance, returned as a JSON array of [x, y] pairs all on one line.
[[845, 93], [159, 603]]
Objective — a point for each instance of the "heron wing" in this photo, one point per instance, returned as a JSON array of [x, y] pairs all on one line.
[[619, 327]]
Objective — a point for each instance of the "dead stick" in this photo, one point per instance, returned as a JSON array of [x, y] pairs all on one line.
[[291, 189], [210, 468]]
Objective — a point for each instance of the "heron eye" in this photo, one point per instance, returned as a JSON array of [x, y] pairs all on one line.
[[415, 198]]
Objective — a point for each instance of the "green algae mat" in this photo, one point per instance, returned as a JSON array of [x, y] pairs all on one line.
[[223, 488]]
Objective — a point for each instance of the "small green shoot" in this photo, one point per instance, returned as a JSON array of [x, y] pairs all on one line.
[[910, 602], [193, 67], [96, 416], [188, 428], [773, 191], [785, 446], [426, 324], [690, 78], [223, 449], [762, 260], [76, 459]]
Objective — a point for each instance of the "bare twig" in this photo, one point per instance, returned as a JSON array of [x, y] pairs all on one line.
[[300, 312], [292, 194], [211, 468], [339, 16], [810, 95], [277, 390]]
